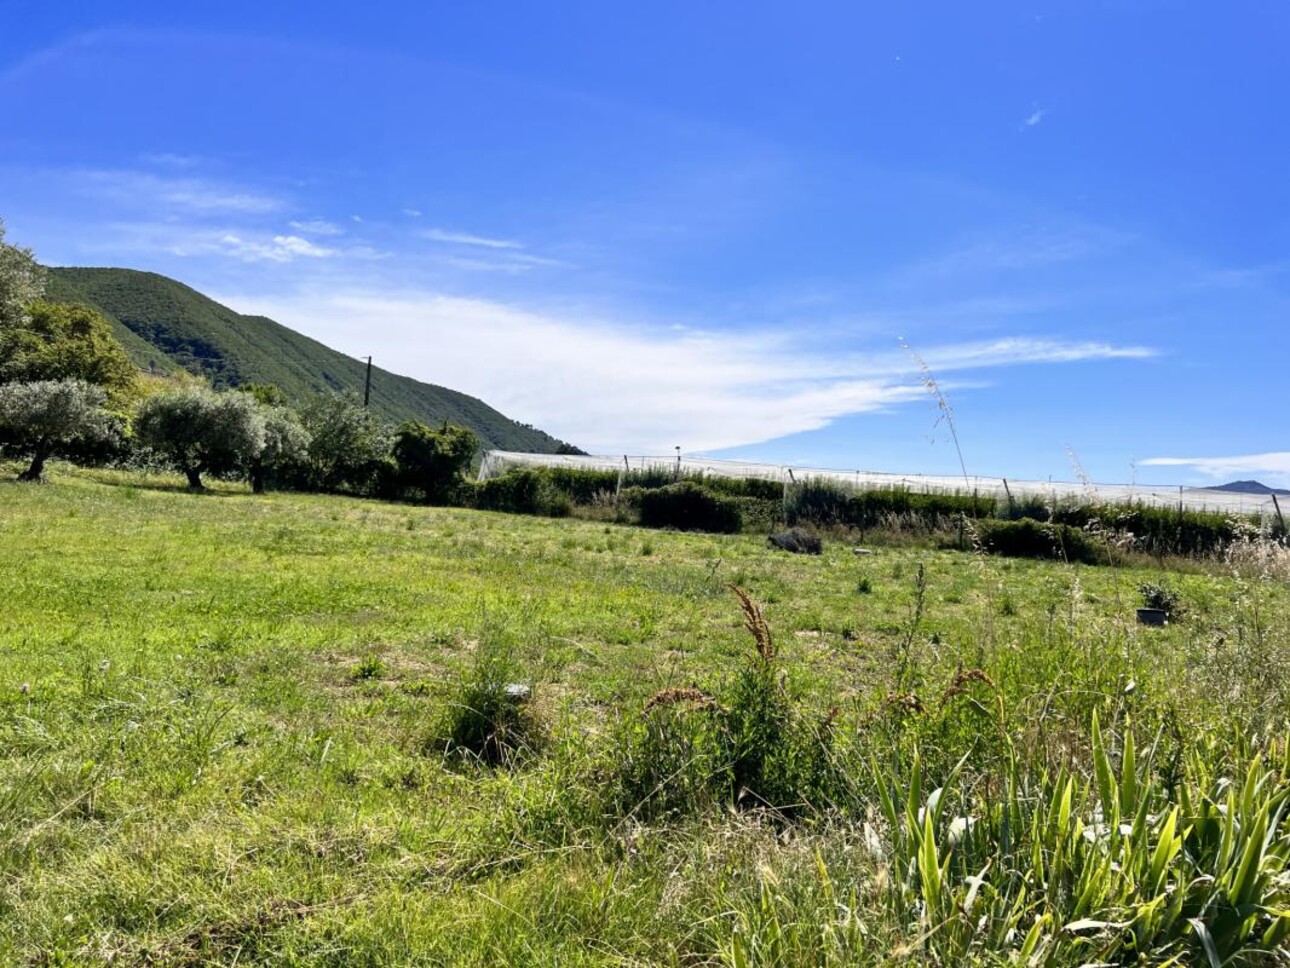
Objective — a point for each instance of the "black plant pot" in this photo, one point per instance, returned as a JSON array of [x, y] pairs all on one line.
[[1152, 616]]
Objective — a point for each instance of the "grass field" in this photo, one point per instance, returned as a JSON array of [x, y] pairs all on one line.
[[223, 722]]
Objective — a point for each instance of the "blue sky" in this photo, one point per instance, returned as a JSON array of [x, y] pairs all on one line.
[[712, 225]]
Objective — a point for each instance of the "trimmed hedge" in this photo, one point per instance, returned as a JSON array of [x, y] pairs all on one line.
[[825, 504], [1028, 538], [687, 506], [762, 505], [522, 491]]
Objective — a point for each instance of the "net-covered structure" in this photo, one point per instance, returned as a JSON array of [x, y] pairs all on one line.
[[497, 462]]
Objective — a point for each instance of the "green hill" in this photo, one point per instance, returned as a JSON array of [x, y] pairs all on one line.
[[166, 326]]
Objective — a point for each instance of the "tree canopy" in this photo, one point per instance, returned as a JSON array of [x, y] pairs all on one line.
[[201, 431], [47, 416], [286, 445], [22, 281], [432, 459], [60, 342], [348, 443]]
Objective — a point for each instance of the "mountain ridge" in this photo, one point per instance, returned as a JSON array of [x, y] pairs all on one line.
[[1250, 487], [167, 327]]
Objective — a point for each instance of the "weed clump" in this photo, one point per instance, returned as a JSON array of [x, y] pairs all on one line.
[[369, 667], [751, 745], [489, 717], [1158, 596]]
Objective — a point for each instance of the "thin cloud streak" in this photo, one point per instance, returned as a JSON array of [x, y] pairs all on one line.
[[317, 226], [193, 196], [609, 387], [227, 242], [1274, 463], [465, 238]]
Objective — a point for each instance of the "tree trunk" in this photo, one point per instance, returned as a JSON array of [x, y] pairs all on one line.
[[194, 475], [257, 476], [36, 472]]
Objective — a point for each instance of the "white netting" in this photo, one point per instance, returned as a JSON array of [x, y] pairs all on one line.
[[497, 462]]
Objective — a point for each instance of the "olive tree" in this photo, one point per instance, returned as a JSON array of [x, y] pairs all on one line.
[[46, 417], [201, 431], [286, 445], [22, 281]]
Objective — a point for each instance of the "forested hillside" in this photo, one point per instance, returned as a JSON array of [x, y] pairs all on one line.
[[166, 326]]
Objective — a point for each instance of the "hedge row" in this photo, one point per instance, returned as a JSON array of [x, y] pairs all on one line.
[[1027, 527]]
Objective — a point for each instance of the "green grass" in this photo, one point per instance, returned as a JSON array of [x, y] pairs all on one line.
[[165, 325], [219, 716]]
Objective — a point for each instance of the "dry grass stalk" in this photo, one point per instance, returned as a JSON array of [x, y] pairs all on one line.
[[678, 695], [755, 622], [905, 702], [961, 681], [942, 404]]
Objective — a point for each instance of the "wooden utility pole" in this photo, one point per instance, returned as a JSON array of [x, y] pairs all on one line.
[[367, 383]]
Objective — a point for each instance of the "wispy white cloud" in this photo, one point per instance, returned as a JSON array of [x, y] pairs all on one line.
[[508, 262], [413, 212], [239, 242], [1018, 350], [465, 238], [609, 387], [1022, 251], [147, 191], [1244, 276], [1275, 464], [317, 226], [172, 159], [281, 248], [49, 56], [1034, 117]]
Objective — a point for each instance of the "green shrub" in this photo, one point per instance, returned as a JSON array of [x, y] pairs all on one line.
[[1028, 538], [523, 491], [581, 486], [827, 504], [746, 487], [349, 448], [821, 503], [689, 507], [431, 461]]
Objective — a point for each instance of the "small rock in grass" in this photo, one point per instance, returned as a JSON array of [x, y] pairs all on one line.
[[517, 692]]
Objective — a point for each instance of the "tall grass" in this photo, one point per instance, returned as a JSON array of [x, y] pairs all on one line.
[[223, 722]]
